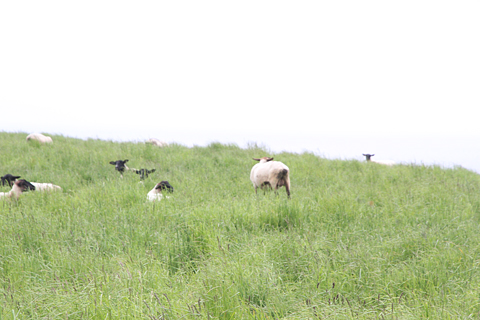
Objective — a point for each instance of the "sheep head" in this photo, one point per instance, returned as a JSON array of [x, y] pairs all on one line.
[[9, 179], [144, 173], [119, 164], [164, 185], [368, 155], [24, 185]]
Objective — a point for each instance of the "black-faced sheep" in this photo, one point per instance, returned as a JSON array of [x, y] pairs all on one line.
[[156, 193], [10, 179], [385, 162], [39, 137], [143, 172], [120, 166], [19, 187], [272, 174]]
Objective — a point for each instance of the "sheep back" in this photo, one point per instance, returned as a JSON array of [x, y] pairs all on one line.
[[274, 173], [157, 142], [39, 137], [384, 162], [40, 186]]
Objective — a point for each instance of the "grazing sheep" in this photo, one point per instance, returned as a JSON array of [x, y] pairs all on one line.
[[157, 142], [156, 192], [18, 188], [39, 137], [268, 173], [385, 162], [40, 186], [10, 179], [143, 172]]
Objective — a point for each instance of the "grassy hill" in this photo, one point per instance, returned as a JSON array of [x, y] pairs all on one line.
[[356, 241]]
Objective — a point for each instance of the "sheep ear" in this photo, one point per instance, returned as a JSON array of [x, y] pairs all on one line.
[[153, 170], [126, 160], [256, 159], [16, 177], [112, 162], [269, 159], [30, 186]]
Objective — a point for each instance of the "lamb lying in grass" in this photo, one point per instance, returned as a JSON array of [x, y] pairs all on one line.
[[19, 187], [156, 193]]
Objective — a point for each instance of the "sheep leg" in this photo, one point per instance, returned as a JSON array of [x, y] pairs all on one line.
[[266, 185], [275, 189]]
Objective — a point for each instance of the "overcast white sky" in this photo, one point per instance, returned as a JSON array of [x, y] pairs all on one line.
[[335, 77]]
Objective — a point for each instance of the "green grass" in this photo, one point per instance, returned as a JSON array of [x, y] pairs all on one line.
[[356, 241]]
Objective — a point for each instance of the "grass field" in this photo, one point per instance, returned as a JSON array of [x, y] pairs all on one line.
[[357, 240]]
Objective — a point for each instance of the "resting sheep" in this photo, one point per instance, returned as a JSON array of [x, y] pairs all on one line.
[[268, 173], [39, 137], [18, 188], [157, 142], [384, 162], [156, 192]]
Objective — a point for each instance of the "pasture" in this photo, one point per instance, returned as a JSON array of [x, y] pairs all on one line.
[[356, 240]]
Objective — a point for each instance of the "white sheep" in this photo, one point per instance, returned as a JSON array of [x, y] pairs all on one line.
[[157, 142], [384, 162], [40, 186], [268, 173], [156, 193], [19, 186], [39, 137]]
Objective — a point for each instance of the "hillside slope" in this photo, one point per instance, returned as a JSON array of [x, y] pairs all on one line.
[[357, 240]]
